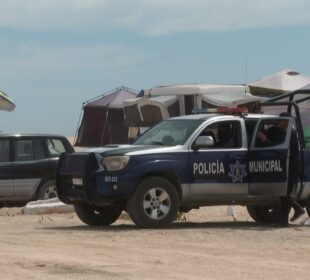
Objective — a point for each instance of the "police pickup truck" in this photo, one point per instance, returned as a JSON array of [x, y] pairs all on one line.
[[184, 163]]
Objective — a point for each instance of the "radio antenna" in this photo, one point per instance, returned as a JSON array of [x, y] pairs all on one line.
[[246, 70]]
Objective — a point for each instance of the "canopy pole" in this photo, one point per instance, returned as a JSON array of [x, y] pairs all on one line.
[[105, 125], [78, 126]]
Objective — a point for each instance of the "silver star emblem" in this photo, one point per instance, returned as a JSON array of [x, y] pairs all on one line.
[[237, 172]]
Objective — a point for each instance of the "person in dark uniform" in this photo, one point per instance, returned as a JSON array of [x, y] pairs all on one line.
[[294, 175], [275, 135], [225, 138]]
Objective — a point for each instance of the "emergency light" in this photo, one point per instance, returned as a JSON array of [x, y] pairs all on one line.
[[222, 110]]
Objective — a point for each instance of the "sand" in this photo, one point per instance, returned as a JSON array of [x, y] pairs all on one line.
[[208, 245]]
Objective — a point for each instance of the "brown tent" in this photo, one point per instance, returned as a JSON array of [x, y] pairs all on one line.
[[103, 119]]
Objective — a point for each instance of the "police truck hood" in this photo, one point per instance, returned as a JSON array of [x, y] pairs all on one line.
[[116, 150]]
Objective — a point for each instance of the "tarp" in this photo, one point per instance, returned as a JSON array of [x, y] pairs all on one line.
[[103, 119], [6, 104], [284, 80]]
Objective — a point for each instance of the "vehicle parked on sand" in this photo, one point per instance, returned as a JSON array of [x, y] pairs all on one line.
[[180, 164], [28, 164]]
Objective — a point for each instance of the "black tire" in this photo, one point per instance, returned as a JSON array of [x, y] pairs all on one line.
[[97, 216], [154, 204], [47, 190], [266, 214]]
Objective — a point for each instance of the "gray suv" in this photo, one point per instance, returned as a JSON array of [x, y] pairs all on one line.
[[28, 166]]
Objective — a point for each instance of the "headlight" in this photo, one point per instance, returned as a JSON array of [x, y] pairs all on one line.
[[115, 163]]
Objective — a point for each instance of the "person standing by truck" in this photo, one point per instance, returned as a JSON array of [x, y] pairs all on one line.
[[275, 135], [294, 173]]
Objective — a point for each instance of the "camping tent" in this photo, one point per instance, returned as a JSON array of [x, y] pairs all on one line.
[[284, 80], [103, 119], [162, 102]]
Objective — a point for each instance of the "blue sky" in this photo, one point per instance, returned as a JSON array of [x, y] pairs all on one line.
[[56, 54]]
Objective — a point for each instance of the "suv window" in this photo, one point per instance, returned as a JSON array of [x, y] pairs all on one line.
[[23, 150], [4, 150], [55, 147]]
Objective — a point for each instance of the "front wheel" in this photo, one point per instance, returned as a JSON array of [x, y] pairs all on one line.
[[266, 214], [97, 216], [154, 204]]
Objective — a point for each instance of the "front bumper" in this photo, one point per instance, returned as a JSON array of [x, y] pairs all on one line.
[[80, 180]]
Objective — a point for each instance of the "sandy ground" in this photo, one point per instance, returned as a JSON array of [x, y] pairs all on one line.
[[208, 245]]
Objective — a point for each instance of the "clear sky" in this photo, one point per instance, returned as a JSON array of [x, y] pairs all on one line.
[[56, 54]]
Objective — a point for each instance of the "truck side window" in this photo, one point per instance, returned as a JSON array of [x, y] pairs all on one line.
[[271, 133], [226, 134]]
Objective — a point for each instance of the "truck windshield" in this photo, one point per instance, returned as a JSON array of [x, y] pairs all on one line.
[[169, 133]]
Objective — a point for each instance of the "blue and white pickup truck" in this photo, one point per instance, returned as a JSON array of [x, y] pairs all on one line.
[[184, 163]]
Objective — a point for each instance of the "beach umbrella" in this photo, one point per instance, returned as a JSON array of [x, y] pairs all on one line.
[[284, 80], [6, 104]]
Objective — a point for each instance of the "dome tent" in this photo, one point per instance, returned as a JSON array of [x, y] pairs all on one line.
[[103, 119]]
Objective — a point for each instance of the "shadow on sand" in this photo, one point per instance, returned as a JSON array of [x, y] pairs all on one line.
[[242, 225]]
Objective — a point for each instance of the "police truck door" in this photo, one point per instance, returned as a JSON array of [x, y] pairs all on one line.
[[268, 157], [220, 169]]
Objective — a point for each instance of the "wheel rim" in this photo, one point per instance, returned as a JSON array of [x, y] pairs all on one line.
[[156, 203], [50, 192]]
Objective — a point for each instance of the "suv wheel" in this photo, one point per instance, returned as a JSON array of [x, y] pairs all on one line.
[[266, 214], [47, 190], [97, 216], [154, 204]]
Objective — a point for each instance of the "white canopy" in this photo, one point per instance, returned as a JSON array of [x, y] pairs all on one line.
[[286, 80], [218, 95], [306, 88], [162, 102]]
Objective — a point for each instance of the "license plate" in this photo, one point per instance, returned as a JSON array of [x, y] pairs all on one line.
[[77, 181]]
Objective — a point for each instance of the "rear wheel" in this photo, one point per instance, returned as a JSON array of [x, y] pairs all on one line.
[[266, 214], [97, 216], [47, 190], [154, 204]]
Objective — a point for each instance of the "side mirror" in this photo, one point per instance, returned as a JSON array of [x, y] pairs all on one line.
[[203, 142]]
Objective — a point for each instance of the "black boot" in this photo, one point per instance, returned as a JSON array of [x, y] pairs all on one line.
[[299, 211]]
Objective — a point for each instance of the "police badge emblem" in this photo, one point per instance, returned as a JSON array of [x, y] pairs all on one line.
[[237, 172]]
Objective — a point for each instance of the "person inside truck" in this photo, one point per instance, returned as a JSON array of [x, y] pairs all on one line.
[[273, 135], [224, 134]]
